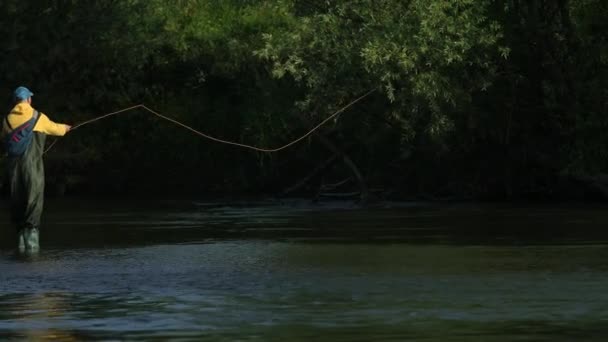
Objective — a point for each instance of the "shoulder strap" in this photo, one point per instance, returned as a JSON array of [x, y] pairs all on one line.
[[8, 123]]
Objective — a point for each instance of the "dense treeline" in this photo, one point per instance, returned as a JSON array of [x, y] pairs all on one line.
[[473, 98]]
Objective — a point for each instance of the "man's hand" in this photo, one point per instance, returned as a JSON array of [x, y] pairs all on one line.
[[68, 128]]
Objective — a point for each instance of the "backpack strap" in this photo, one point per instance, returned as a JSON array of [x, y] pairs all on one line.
[[18, 140], [35, 115]]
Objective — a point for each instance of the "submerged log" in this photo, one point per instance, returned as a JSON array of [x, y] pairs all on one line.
[[333, 186]]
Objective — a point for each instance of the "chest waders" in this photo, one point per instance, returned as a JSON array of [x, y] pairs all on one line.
[[26, 178]]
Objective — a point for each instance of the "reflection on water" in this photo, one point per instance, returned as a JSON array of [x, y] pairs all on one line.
[[291, 272]]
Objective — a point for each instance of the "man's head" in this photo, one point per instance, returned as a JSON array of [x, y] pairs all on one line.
[[22, 94]]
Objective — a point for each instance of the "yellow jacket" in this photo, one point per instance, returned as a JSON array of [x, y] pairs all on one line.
[[23, 111]]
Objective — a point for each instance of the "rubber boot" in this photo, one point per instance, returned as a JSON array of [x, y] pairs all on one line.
[[21, 241], [30, 240]]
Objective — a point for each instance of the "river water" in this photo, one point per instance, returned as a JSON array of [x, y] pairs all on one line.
[[296, 271]]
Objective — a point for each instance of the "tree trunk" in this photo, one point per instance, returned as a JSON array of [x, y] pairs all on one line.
[[363, 188], [310, 175]]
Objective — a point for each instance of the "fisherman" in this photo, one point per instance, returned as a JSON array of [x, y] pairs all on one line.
[[24, 131]]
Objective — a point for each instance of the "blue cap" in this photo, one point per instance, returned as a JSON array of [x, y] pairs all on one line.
[[22, 93]]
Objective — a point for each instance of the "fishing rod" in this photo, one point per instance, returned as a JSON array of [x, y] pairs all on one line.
[[227, 142]]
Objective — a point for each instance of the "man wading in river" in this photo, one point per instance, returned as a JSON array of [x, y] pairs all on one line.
[[24, 131]]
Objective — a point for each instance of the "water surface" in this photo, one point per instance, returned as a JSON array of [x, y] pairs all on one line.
[[187, 270]]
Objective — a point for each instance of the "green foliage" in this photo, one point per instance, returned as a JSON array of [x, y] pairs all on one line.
[[588, 153], [479, 93], [424, 54]]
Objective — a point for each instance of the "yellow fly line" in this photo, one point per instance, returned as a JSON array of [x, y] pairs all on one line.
[[197, 132]]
